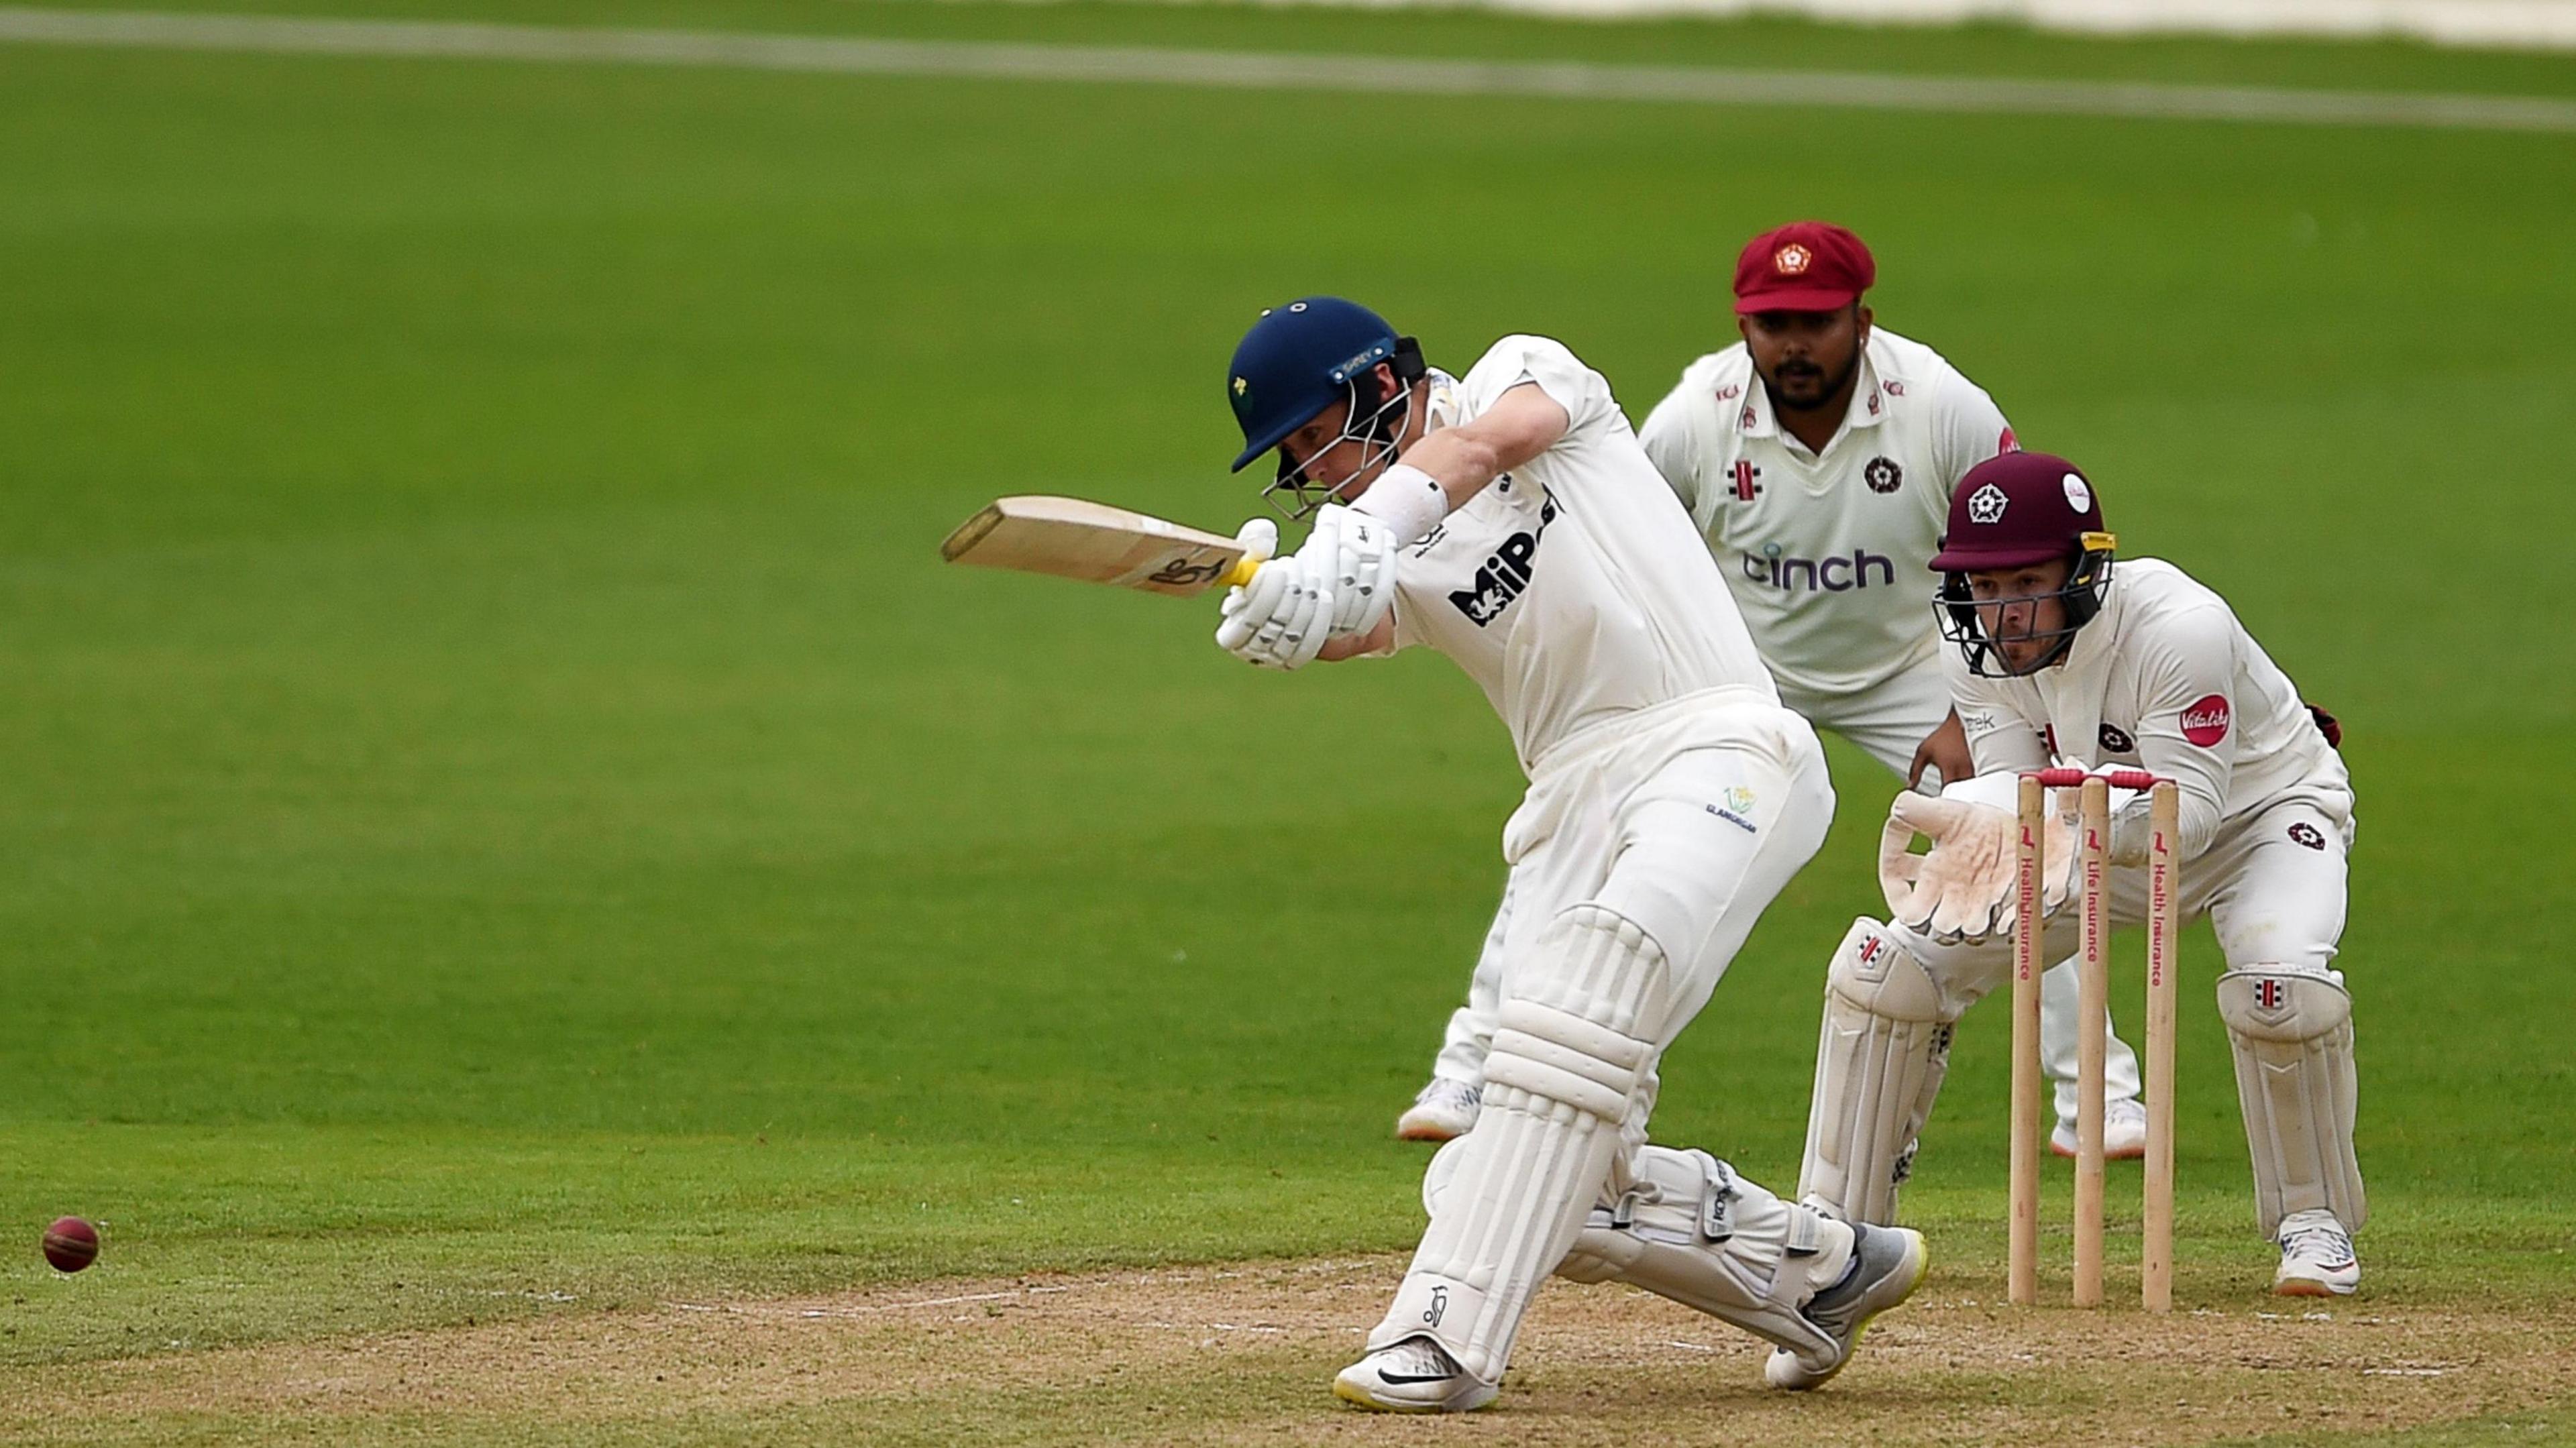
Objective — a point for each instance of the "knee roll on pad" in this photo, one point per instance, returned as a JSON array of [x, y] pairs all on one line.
[[1689, 1229], [2291, 1033], [1561, 1057], [1570, 1037], [1884, 1049], [1507, 1199]]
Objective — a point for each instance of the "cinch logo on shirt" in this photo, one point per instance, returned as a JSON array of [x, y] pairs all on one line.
[[1505, 574], [1791, 574]]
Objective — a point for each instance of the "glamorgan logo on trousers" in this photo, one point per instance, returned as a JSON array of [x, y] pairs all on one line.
[[1505, 574], [1831, 575]]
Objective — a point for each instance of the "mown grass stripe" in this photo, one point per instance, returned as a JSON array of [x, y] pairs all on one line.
[[1272, 71]]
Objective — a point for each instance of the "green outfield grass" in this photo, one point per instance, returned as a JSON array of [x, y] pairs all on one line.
[[507, 814]]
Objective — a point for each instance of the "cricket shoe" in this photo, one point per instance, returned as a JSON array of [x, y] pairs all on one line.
[[1416, 1375], [2124, 1132], [1440, 1111], [1888, 1263], [2316, 1257]]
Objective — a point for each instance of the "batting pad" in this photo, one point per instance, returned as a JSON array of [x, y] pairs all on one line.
[[2292, 1034], [1879, 1064], [1688, 1228], [1568, 1057]]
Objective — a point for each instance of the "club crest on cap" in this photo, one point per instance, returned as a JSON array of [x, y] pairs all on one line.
[[1241, 387], [1986, 505], [1792, 260]]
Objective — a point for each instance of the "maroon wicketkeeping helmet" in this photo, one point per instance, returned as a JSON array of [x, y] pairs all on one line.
[[2015, 511]]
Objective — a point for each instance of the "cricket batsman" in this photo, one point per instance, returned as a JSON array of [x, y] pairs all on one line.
[[2057, 662], [1508, 519], [1817, 457]]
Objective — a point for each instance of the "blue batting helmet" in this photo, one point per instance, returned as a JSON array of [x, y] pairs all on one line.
[[1302, 358]]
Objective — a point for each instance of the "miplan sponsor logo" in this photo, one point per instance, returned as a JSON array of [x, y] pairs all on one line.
[[1506, 574]]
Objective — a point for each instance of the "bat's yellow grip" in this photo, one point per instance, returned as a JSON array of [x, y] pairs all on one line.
[[1242, 571]]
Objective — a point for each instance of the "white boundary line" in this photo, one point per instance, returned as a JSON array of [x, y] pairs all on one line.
[[2509, 24], [1243, 70]]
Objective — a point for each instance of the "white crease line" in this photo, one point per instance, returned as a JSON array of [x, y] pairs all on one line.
[[869, 1309], [1244, 70]]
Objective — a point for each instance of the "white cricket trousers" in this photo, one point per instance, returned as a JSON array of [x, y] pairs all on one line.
[[1645, 850]]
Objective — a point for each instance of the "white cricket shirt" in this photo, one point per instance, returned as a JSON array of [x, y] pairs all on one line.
[[1824, 552], [1572, 589], [2165, 678]]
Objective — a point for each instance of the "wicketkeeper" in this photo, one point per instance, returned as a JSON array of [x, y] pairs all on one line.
[[1509, 519], [2057, 662]]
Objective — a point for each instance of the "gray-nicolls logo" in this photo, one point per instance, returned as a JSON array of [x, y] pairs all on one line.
[[1439, 1307]]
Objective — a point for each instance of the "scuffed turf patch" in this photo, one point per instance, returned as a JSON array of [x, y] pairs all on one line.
[[1244, 1354]]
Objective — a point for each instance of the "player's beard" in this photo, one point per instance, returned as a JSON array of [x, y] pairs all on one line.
[[1832, 388]]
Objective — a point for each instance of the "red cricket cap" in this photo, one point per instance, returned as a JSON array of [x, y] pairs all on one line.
[[1805, 266]]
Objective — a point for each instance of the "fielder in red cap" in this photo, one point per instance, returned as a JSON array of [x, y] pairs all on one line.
[[1798, 303], [2057, 660]]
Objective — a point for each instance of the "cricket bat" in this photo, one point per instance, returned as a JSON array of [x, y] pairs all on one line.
[[1096, 543]]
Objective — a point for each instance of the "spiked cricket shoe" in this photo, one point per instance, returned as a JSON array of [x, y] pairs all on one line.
[[2316, 1257], [1414, 1376], [1888, 1263], [1441, 1110], [2124, 1132]]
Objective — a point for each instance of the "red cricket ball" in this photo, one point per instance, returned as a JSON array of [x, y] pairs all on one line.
[[71, 1244]]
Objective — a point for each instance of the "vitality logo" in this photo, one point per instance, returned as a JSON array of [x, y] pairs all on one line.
[[1505, 575]]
